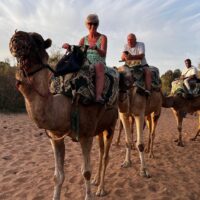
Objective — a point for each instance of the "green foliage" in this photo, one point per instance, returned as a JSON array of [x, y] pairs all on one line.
[[10, 99], [167, 79], [176, 74], [55, 56]]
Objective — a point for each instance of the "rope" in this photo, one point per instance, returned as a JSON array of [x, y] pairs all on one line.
[[55, 138]]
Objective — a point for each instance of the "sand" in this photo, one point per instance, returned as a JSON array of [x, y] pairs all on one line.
[[27, 164]]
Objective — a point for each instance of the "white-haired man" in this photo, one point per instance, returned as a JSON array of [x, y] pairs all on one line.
[[134, 51]]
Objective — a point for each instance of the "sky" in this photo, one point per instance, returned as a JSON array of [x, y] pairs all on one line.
[[170, 29]]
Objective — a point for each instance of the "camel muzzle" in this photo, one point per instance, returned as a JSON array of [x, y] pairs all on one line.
[[20, 44]]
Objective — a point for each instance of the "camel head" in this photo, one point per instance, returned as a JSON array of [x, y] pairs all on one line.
[[29, 49], [30, 52], [125, 78]]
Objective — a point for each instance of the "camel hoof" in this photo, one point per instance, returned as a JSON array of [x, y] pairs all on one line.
[[193, 139], [89, 197], [180, 144], [56, 198], [95, 182], [151, 155], [126, 164], [101, 192], [145, 173]]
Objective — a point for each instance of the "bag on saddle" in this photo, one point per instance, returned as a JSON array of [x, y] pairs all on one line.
[[71, 62]]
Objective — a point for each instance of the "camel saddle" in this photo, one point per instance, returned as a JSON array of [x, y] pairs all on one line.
[[136, 74], [179, 89], [82, 83]]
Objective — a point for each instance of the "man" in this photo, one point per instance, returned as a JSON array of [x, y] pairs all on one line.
[[189, 74], [134, 51]]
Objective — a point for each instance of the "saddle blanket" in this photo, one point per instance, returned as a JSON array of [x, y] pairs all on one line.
[[139, 76], [83, 83], [178, 88]]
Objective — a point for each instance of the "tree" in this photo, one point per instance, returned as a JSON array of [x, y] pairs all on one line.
[[167, 79], [10, 99], [176, 74], [55, 56]]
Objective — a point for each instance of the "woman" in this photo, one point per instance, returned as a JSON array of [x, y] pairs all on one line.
[[96, 53]]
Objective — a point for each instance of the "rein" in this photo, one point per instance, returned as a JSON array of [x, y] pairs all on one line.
[[29, 74]]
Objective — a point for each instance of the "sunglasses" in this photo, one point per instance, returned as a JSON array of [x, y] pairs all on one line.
[[91, 23]]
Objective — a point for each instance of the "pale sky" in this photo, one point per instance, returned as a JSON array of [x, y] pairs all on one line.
[[170, 29]]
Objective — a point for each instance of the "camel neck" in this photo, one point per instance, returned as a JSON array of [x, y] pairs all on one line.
[[37, 95], [49, 112]]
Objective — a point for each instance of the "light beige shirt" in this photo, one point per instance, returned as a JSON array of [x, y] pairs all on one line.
[[187, 72], [137, 50]]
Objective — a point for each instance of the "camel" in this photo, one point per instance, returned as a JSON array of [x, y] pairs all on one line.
[[138, 105], [53, 112], [180, 106]]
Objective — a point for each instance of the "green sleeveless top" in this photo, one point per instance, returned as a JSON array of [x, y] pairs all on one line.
[[92, 55]]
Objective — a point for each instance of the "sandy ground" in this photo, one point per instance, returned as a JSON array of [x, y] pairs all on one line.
[[27, 164]]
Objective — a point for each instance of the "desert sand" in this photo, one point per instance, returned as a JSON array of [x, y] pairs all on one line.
[[27, 164]]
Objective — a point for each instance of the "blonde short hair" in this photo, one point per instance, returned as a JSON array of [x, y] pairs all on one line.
[[92, 18]]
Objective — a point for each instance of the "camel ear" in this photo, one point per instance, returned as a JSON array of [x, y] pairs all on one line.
[[47, 43]]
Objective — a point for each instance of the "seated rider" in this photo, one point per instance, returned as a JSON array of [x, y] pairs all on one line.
[[96, 53], [189, 75], [134, 50]]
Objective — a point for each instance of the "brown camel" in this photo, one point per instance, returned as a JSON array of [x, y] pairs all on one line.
[[138, 105], [180, 106], [53, 112]]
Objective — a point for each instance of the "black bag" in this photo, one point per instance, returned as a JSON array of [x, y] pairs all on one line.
[[71, 62]]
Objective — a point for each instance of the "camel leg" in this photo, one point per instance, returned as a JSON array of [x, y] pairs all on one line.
[[195, 137], [86, 145], [154, 120], [120, 131], [126, 124], [59, 176], [96, 179], [198, 131], [132, 130], [179, 119], [149, 123], [107, 139], [139, 120], [119, 134]]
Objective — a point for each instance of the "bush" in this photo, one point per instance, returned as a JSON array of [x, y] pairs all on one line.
[[167, 79], [10, 99]]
